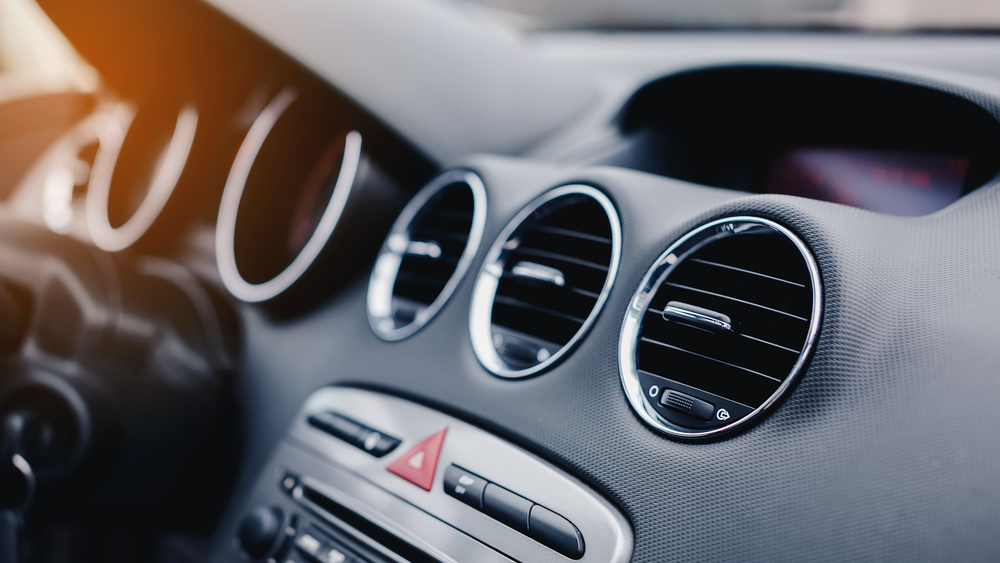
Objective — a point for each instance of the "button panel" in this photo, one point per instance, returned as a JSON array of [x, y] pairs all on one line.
[[537, 522], [437, 515], [358, 435]]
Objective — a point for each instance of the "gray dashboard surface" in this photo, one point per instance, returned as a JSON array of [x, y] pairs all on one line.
[[445, 80], [455, 82], [888, 449]]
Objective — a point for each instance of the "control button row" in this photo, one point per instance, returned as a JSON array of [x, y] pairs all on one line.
[[358, 435], [535, 521], [320, 549]]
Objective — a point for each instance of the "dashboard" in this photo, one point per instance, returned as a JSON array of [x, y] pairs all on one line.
[[314, 281]]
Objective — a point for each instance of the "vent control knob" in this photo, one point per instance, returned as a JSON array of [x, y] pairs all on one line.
[[687, 404]]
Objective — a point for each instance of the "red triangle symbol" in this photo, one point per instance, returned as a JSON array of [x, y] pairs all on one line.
[[419, 464]]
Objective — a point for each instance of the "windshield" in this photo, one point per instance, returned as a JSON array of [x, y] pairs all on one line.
[[900, 15]]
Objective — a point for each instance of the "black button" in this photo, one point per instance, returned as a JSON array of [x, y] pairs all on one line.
[[556, 532], [309, 544], [334, 554], [687, 404], [507, 507], [379, 444], [358, 435], [466, 487], [288, 482], [345, 429]]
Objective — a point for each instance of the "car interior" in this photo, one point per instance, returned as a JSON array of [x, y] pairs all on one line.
[[447, 281]]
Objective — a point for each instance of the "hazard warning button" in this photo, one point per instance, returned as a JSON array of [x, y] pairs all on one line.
[[419, 464]]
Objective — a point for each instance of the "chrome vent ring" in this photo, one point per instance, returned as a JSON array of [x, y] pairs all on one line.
[[426, 254], [545, 280], [720, 328]]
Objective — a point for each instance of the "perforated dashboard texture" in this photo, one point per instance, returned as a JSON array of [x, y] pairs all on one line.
[[887, 450]]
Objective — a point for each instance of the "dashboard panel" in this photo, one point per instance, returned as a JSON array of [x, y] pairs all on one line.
[[894, 182], [721, 303], [744, 127]]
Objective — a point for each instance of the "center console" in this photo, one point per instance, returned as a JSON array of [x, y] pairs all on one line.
[[366, 477]]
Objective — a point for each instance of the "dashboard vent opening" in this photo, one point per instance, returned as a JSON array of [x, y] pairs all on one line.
[[720, 327], [426, 254], [545, 280]]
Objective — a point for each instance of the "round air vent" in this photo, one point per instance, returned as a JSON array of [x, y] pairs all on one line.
[[545, 280], [426, 254], [287, 188], [138, 163], [720, 327]]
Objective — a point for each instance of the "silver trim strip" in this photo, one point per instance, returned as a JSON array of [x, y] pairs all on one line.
[[628, 342], [111, 138], [398, 243], [225, 229], [701, 317], [365, 512], [429, 249], [481, 309], [539, 272]]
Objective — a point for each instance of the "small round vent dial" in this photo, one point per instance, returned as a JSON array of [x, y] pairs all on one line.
[[427, 252], [544, 280], [720, 327]]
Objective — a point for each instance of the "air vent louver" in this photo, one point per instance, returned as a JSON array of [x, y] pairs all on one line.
[[544, 280], [720, 327], [426, 254]]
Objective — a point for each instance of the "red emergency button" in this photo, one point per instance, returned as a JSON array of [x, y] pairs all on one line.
[[419, 464]]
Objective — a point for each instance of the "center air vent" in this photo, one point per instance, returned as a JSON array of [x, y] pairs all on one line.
[[720, 328], [426, 254], [545, 280]]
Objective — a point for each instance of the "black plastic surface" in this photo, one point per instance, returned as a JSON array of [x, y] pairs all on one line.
[[507, 507], [732, 141], [465, 486], [556, 532]]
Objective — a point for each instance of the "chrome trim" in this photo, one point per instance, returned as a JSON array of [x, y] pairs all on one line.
[[628, 341], [359, 508], [398, 243], [111, 138], [481, 309], [225, 228], [539, 272], [428, 249], [704, 318]]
